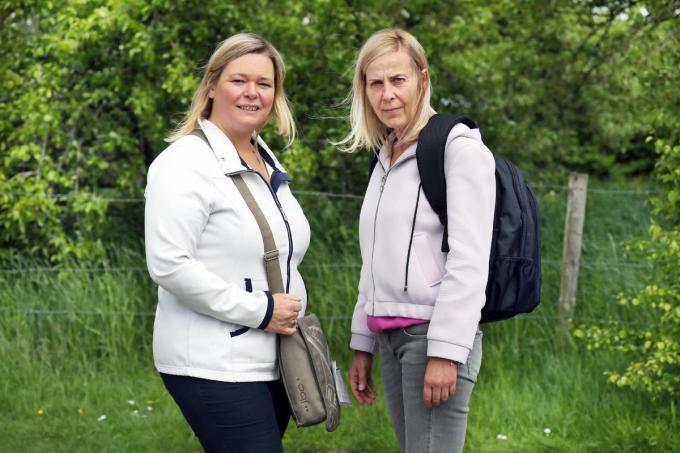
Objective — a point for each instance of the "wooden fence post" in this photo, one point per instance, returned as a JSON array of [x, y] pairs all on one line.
[[571, 253]]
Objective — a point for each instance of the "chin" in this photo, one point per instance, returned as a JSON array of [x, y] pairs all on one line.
[[252, 123], [394, 124]]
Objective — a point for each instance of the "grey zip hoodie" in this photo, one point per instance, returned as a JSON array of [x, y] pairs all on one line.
[[404, 272]]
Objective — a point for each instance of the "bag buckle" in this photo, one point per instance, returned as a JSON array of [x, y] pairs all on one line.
[[271, 255]]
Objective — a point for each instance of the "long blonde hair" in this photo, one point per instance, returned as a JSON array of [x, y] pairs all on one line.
[[228, 50], [367, 131]]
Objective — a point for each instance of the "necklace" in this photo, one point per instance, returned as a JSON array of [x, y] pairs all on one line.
[[260, 166]]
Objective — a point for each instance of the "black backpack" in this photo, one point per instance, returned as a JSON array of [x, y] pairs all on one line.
[[514, 283]]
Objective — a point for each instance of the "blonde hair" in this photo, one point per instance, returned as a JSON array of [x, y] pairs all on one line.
[[367, 131], [227, 51]]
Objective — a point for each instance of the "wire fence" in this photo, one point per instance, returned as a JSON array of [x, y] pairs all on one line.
[[34, 309], [309, 193], [346, 318], [94, 270]]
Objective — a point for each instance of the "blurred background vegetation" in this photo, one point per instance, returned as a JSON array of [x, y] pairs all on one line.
[[89, 89]]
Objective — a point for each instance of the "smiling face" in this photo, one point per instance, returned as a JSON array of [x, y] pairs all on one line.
[[393, 87], [243, 95]]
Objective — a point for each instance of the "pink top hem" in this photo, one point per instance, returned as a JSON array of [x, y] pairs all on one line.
[[377, 324]]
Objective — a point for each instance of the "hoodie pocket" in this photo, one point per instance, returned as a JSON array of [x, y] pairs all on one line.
[[208, 342], [251, 345], [423, 278], [248, 286], [430, 266]]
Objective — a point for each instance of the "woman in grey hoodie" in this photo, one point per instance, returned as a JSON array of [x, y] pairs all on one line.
[[418, 308]]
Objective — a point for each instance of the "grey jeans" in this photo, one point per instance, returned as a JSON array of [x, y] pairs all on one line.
[[403, 359]]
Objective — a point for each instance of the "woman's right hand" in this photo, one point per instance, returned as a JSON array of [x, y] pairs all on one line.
[[361, 377], [286, 311]]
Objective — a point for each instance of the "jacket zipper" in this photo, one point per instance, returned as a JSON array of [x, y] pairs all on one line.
[[285, 221], [383, 178], [383, 181]]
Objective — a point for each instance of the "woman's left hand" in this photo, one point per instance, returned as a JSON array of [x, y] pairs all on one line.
[[440, 381]]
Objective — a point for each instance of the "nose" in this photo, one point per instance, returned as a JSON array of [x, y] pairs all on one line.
[[250, 90], [388, 92]]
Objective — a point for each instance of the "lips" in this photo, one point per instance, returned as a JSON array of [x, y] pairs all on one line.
[[249, 108], [391, 111]]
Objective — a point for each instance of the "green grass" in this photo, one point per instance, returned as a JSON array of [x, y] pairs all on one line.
[[76, 346]]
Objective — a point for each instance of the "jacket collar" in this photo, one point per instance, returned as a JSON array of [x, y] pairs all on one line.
[[226, 153], [384, 156]]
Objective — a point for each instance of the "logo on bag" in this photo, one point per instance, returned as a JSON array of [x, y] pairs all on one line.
[[302, 395]]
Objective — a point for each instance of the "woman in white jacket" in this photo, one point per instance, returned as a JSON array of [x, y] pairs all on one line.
[[215, 329], [418, 307]]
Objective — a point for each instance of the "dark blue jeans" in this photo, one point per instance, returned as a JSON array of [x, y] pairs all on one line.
[[248, 417]]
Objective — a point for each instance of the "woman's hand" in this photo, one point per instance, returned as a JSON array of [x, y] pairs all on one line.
[[440, 381], [286, 311], [361, 377]]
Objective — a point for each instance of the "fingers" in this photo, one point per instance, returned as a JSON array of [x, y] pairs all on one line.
[[370, 387], [287, 331], [436, 396], [440, 381], [427, 395], [358, 385], [361, 378], [287, 309], [354, 384], [292, 305]]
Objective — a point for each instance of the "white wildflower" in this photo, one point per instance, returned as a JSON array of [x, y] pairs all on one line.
[[547, 431], [502, 437], [306, 20], [644, 11], [101, 418], [131, 402]]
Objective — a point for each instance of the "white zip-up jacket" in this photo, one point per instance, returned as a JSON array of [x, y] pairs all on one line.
[[404, 272], [205, 252]]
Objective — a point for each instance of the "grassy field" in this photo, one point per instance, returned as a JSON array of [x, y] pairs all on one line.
[[76, 372]]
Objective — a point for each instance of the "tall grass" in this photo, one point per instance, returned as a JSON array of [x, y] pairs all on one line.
[[75, 347]]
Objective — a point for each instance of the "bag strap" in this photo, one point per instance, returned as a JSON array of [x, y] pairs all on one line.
[[271, 253], [430, 158]]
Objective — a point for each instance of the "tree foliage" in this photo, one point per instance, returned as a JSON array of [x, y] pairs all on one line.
[[91, 87], [654, 347]]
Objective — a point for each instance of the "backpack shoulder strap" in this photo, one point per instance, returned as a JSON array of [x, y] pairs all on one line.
[[430, 158], [372, 164]]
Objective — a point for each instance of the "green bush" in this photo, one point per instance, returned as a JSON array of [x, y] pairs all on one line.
[[89, 89], [653, 348]]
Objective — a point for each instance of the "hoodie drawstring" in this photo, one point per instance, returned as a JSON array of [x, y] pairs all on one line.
[[410, 241]]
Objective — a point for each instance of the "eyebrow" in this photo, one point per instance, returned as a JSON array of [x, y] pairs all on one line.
[[240, 74], [390, 77]]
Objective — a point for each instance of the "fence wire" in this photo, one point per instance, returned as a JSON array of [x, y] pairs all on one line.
[[306, 193], [94, 270], [347, 318], [36, 310]]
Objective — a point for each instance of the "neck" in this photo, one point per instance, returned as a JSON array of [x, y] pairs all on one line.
[[240, 139]]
